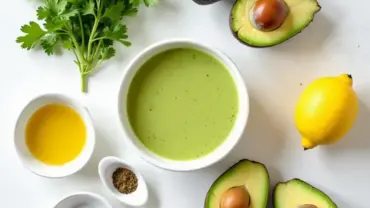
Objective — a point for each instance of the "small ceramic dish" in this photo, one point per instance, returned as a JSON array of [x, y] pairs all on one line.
[[33, 164], [83, 200], [106, 168], [223, 149]]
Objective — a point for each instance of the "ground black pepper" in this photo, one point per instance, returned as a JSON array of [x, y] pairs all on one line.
[[124, 180]]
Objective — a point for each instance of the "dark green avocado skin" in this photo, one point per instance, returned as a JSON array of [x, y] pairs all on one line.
[[294, 179], [205, 2], [236, 164], [235, 33]]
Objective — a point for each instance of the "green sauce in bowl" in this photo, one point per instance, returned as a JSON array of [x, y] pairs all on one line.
[[182, 104]]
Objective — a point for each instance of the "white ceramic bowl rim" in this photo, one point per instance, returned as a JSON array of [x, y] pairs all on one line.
[[33, 164], [84, 193], [220, 152]]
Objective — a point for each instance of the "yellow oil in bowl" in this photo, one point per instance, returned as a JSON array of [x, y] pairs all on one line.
[[55, 134]]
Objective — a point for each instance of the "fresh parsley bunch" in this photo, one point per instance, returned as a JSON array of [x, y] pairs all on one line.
[[88, 28]]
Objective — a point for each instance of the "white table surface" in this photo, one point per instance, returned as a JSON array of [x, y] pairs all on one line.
[[337, 41]]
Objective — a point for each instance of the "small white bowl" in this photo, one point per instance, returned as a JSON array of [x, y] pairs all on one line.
[[83, 200], [106, 168], [33, 164], [222, 150]]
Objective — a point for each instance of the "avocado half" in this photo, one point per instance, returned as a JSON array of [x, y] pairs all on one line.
[[301, 14], [295, 193], [251, 175]]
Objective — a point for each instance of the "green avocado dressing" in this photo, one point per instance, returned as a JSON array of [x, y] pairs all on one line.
[[182, 104]]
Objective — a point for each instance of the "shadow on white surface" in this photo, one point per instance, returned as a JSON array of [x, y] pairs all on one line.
[[358, 138], [102, 149], [311, 39], [152, 202], [153, 199], [262, 142], [340, 201], [226, 11], [140, 28], [345, 160], [273, 181]]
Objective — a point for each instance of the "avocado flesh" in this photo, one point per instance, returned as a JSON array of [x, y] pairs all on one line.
[[296, 192], [301, 13], [252, 175]]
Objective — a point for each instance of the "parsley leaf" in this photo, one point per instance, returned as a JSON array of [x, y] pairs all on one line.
[[118, 33], [60, 5], [55, 7], [88, 28], [150, 2], [33, 35], [88, 8], [49, 43], [67, 44], [42, 13], [68, 14], [76, 2], [114, 12], [53, 25], [107, 53]]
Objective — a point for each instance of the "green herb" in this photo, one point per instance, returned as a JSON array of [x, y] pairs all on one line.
[[88, 28]]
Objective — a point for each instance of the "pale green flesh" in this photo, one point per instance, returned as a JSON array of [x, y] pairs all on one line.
[[252, 175], [301, 13], [182, 104], [295, 193]]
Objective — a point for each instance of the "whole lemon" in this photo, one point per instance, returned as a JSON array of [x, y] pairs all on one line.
[[326, 110]]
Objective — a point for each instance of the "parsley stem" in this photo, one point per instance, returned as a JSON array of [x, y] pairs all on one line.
[[96, 50], [81, 55], [77, 59], [92, 35], [83, 82], [97, 65], [100, 6], [82, 32], [100, 38], [81, 66]]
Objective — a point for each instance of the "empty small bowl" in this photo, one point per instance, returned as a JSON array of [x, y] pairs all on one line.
[[83, 200], [106, 168], [32, 163]]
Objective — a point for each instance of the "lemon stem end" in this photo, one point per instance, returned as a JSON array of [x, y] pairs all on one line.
[[307, 144]]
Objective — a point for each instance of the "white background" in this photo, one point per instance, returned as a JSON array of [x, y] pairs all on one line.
[[336, 42]]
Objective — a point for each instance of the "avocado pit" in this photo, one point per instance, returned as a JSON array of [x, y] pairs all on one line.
[[268, 15], [235, 197]]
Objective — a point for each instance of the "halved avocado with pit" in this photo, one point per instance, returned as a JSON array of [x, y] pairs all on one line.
[[296, 193], [245, 184], [265, 23]]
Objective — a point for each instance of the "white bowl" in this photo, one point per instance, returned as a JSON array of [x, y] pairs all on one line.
[[106, 168], [83, 200], [221, 151], [33, 164]]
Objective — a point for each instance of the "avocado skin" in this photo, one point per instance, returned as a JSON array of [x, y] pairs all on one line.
[[235, 34], [205, 2], [274, 199], [226, 171]]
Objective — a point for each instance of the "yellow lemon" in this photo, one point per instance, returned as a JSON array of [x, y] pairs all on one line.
[[326, 110]]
